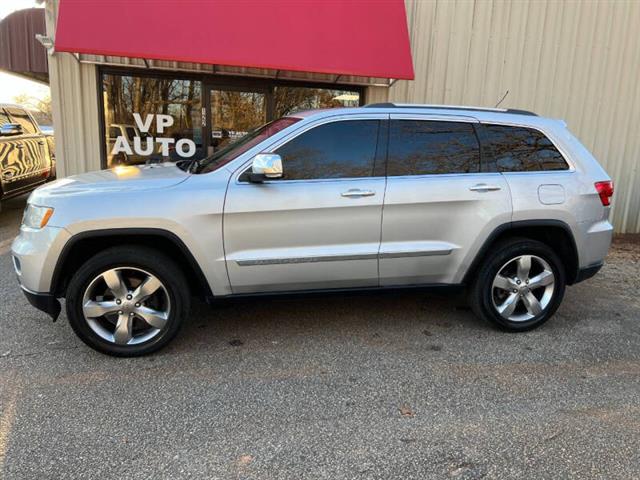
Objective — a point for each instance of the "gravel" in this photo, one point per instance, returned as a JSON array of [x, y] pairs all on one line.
[[369, 386]]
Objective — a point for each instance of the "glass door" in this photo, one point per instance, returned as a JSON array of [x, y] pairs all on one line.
[[233, 113]]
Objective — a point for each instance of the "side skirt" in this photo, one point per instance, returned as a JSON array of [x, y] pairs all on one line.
[[441, 288]]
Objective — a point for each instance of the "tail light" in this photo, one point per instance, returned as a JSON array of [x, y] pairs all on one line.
[[605, 190]]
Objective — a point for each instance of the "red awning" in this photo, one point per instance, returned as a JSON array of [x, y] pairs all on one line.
[[342, 37]]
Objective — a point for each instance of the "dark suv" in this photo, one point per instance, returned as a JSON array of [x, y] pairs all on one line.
[[26, 153]]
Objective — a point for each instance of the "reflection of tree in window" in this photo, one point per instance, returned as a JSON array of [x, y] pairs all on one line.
[[419, 147], [519, 149], [294, 99], [242, 111], [125, 95], [343, 149], [234, 114]]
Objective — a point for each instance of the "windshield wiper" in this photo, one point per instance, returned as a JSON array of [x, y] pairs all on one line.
[[194, 165], [189, 164]]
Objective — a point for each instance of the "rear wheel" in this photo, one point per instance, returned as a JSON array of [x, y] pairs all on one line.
[[127, 301], [519, 286]]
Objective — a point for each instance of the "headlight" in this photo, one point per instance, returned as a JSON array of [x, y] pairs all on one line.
[[36, 216]]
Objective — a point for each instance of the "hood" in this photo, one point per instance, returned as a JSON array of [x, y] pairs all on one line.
[[121, 178]]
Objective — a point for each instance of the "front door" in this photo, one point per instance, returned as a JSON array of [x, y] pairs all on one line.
[[317, 227], [233, 113]]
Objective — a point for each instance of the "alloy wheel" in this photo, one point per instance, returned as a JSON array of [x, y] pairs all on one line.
[[523, 288], [126, 306]]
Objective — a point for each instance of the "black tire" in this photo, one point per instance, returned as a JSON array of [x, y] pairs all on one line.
[[481, 294], [148, 259]]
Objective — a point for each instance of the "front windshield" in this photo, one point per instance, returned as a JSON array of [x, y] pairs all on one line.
[[237, 148]]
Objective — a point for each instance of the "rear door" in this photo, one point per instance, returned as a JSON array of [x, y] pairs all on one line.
[[439, 206], [319, 226]]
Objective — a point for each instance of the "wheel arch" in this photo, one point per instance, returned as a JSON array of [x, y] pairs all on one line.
[[554, 233], [82, 246]]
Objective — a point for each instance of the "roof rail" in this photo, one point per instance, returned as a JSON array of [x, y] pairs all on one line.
[[450, 107]]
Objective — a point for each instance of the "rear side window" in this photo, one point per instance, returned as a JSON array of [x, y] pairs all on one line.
[[520, 149], [4, 118], [21, 117], [131, 133], [344, 149], [421, 147]]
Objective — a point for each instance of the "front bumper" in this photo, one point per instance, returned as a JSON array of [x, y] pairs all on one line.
[[587, 272], [35, 254], [45, 302]]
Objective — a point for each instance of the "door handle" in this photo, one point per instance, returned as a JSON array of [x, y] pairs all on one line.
[[20, 146], [356, 192], [483, 187], [7, 174]]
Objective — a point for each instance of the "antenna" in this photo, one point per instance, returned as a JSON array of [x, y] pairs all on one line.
[[502, 99]]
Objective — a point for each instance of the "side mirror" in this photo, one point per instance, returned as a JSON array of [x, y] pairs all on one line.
[[265, 166], [9, 129]]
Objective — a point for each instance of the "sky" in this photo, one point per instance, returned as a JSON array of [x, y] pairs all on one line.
[[11, 85]]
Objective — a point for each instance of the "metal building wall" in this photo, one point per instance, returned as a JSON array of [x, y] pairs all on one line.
[[575, 60], [74, 99]]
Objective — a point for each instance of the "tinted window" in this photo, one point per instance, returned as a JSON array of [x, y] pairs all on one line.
[[250, 140], [335, 150], [131, 133], [114, 132], [419, 147], [519, 149], [21, 117], [4, 118]]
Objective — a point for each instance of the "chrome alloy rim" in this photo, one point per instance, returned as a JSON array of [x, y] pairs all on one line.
[[126, 306], [523, 288]]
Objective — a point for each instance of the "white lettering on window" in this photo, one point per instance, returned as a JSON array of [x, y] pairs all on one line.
[[121, 145], [191, 147]]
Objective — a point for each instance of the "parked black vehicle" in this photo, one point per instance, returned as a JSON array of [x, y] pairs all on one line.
[[26, 154]]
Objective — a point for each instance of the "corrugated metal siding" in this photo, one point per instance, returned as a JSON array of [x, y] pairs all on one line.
[[575, 60], [74, 99]]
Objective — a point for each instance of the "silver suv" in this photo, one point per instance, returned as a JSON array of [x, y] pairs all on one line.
[[503, 202]]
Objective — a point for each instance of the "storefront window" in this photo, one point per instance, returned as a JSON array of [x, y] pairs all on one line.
[[294, 99], [234, 114], [160, 119], [160, 112]]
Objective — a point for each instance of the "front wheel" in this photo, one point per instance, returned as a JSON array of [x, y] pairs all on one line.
[[127, 301], [519, 286]]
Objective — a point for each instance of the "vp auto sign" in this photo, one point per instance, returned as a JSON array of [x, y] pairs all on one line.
[[184, 147]]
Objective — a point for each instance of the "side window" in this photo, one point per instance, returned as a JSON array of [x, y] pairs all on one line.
[[424, 147], [21, 117], [114, 132], [520, 149], [4, 118], [342, 149]]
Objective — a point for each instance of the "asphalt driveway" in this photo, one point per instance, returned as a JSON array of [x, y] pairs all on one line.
[[369, 386]]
